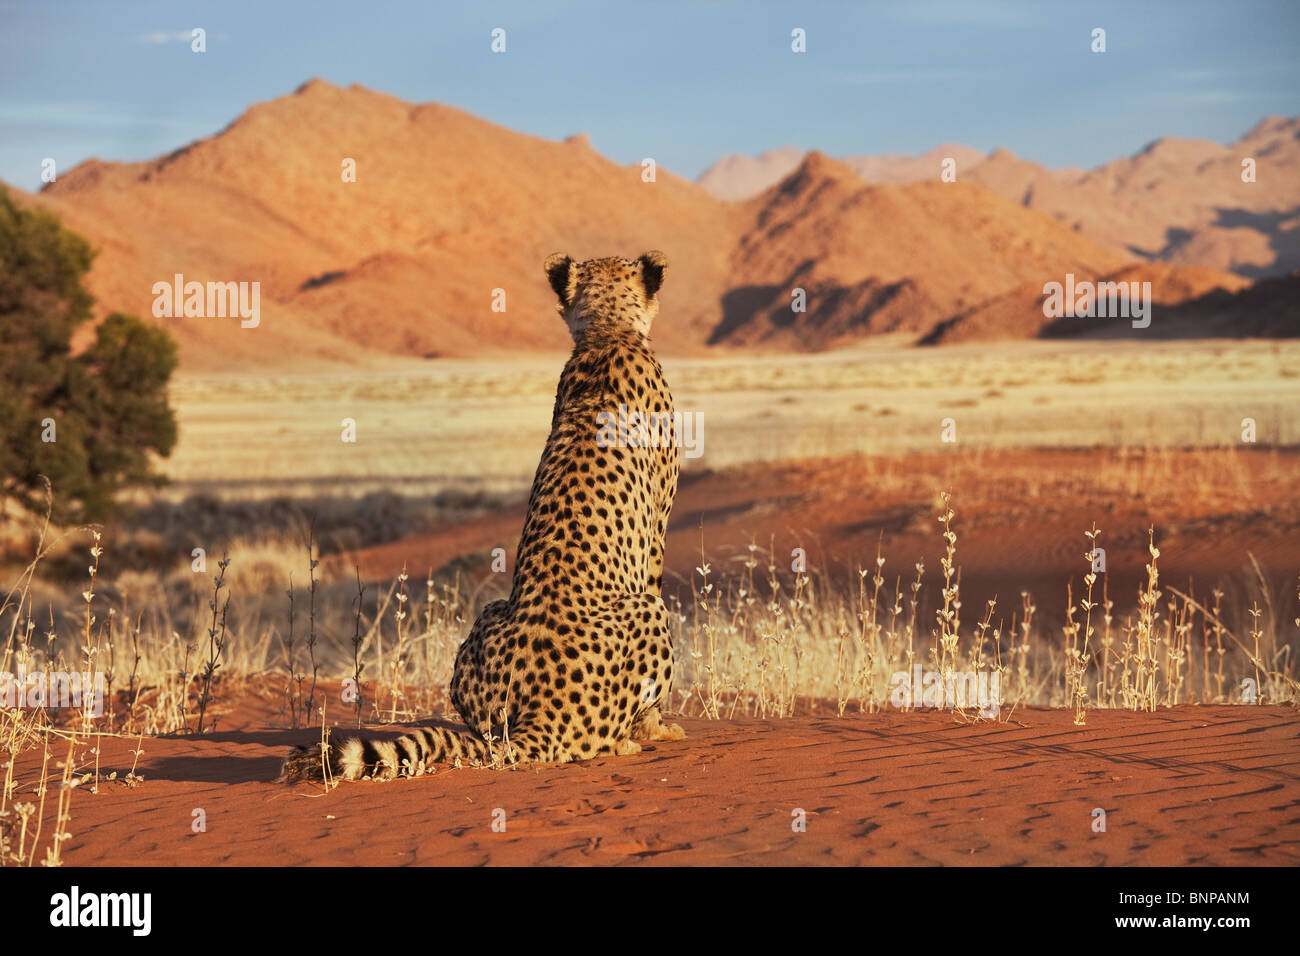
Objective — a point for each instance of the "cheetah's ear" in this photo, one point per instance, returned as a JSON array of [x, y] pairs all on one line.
[[653, 264], [557, 273]]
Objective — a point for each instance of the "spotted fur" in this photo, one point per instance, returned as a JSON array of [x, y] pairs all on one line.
[[578, 660]]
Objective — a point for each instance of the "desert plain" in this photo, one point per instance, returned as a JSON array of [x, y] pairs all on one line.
[[795, 752]]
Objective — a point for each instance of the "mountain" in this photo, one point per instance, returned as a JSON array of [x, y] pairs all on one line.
[[449, 215], [740, 177], [874, 259], [445, 209], [1177, 201], [1019, 314], [1184, 201], [737, 177], [894, 168]]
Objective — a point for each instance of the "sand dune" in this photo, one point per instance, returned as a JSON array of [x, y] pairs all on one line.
[[1188, 785]]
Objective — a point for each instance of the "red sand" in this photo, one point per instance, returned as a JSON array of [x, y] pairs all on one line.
[[1020, 520], [1192, 785]]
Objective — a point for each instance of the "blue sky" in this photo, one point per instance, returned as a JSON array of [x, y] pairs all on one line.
[[682, 82]]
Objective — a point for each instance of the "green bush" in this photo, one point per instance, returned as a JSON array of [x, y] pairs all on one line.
[[107, 406]]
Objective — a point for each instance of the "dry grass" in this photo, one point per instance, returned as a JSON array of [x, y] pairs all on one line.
[[781, 647], [763, 641]]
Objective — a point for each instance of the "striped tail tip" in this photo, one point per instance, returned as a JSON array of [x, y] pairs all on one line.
[[307, 762], [410, 755]]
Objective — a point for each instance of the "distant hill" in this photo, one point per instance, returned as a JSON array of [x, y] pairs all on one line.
[[1019, 313], [1177, 201], [884, 258], [743, 177], [446, 208]]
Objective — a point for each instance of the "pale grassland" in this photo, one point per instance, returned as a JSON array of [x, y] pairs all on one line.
[[426, 428]]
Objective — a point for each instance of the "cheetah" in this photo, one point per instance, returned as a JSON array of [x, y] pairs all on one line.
[[578, 660]]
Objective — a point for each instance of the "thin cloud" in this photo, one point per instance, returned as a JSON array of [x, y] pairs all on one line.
[[1204, 75], [1211, 97], [909, 76], [82, 115], [959, 13], [161, 37]]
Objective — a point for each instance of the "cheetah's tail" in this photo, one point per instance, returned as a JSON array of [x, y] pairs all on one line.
[[352, 758]]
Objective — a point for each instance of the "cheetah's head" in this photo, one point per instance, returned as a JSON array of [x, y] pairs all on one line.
[[614, 292]]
